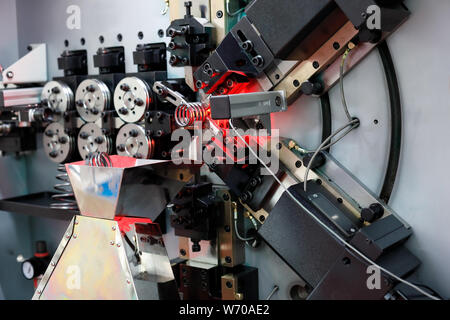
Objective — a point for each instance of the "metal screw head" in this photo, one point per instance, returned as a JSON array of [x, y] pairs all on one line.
[[118, 245], [128, 281], [113, 228], [10, 74], [74, 236], [111, 243], [52, 264], [278, 101], [219, 14]]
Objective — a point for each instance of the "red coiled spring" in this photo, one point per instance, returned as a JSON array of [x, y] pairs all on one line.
[[187, 114]]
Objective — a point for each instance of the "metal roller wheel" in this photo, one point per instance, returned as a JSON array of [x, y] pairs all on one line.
[[91, 139], [58, 145], [133, 142], [132, 99], [91, 99], [58, 97]]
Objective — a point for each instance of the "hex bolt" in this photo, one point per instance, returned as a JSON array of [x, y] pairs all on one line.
[[62, 140], [247, 45], [230, 83], [199, 84], [139, 102], [49, 133], [123, 111], [138, 156], [80, 103], [95, 111], [278, 101], [53, 154], [258, 61], [90, 88], [134, 133], [121, 147], [124, 87], [206, 67], [55, 90], [84, 135], [99, 140], [173, 60]]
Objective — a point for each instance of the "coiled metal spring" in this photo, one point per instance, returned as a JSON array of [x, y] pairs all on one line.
[[65, 199], [99, 159], [187, 114]]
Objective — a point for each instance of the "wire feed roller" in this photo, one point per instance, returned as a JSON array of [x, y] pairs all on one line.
[[133, 142], [91, 139], [91, 99], [132, 99], [58, 97], [58, 145]]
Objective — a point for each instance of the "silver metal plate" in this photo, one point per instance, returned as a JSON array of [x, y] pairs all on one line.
[[57, 96], [132, 99], [132, 141], [91, 139], [91, 99], [58, 145]]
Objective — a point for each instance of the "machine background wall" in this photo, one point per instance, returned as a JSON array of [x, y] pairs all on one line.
[[15, 235], [420, 53]]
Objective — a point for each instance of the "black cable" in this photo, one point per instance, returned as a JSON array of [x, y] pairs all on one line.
[[326, 117], [396, 122]]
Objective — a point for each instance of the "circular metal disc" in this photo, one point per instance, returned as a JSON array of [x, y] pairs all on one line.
[[57, 96], [91, 99], [58, 145], [91, 139], [131, 141], [132, 99]]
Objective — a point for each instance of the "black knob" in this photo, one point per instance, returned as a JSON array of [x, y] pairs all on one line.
[[258, 61], [374, 212], [188, 5], [134, 133], [195, 246], [311, 88], [319, 160]]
